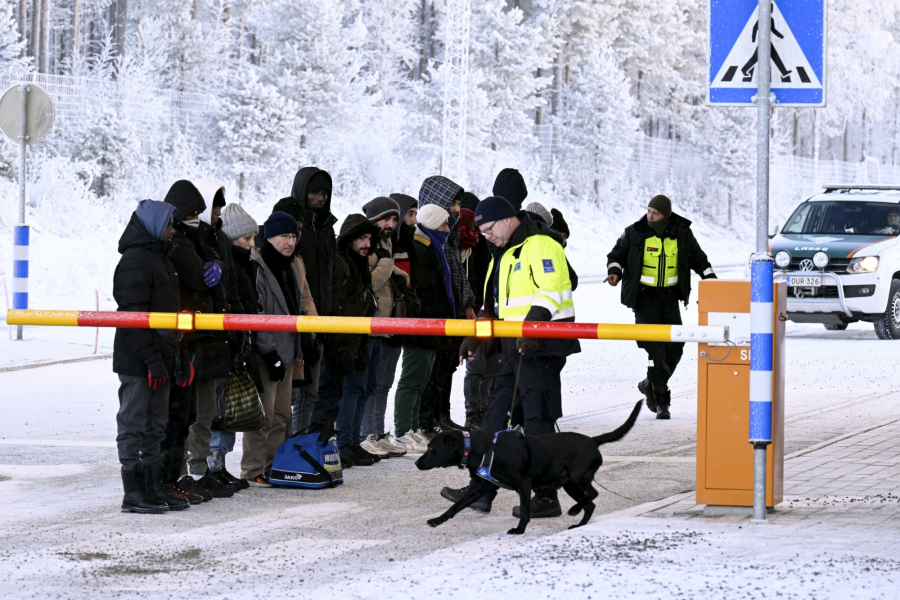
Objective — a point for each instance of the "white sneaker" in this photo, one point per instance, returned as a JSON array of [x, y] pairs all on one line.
[[383, 441], [422, 437], [411, 444], [370, 445]]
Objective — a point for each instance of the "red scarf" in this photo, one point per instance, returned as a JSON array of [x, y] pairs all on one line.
[[468, 237]]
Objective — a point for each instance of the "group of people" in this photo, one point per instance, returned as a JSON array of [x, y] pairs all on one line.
[[443, 255]]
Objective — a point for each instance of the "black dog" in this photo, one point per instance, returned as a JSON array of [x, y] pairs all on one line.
[[522, 462]]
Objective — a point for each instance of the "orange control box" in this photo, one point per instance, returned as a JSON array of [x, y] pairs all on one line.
[[724, 454]]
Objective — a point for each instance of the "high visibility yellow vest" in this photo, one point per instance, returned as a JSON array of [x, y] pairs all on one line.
[[534, 273], [660, 268]]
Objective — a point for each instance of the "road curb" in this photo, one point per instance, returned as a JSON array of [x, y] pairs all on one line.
[[54, 362]]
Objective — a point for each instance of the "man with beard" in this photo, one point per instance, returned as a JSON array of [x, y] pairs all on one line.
[[384, 213], [346, 359], [654, 258]]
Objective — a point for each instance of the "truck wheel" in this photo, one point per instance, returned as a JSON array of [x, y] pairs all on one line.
[[835, 326], [887, 326]]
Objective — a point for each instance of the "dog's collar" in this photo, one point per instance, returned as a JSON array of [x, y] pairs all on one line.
[[467, 445]]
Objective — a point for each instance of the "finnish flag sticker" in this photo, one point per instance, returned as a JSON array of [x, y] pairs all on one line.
[[548, 265]]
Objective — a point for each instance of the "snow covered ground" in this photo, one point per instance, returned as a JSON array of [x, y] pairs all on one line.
[[61, 534]]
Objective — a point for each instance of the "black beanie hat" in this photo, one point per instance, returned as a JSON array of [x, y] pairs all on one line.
[[319, 181], [511, 185], [493, 208], [405, 203], [559, 223], [186, 199], [469, 201], [280, 223], [662, 204], [291, 206]]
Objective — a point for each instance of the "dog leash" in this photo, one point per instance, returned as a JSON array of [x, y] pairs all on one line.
[[512, 406]]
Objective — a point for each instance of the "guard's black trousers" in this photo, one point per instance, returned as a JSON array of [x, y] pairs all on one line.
[[659, 307], [539, 395]]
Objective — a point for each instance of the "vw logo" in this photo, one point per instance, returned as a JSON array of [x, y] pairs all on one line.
[[806, 265]]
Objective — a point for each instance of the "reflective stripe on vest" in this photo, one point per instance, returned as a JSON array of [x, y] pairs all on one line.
[[534, 273], [660, 267]]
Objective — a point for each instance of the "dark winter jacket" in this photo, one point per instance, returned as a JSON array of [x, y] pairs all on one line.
[[352, 287], [145, 281], [627, 258], [511, 185], [316, 241], [441, 191], [546, 347], [476, 267], [192, 248], [427, 280]]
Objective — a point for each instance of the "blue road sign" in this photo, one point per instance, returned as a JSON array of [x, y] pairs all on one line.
[[798, 52]]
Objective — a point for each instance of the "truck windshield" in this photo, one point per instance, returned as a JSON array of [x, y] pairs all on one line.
[[843, 218]]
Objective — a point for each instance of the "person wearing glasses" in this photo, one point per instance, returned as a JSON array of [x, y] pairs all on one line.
[[527, 280], [279, 293]]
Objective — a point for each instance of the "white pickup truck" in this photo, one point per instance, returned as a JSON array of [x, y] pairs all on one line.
[[840, 255]]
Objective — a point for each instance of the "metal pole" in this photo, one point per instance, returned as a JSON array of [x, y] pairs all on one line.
[[20, 242], [761, 286]]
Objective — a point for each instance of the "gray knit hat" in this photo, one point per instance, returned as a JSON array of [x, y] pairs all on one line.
[[380, 207], [237, 223], [542, 213]]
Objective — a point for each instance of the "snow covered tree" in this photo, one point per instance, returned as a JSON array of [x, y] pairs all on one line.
[[12, 63], [254, 136]]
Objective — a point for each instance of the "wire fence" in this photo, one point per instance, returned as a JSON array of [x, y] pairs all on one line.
[[78, 99]]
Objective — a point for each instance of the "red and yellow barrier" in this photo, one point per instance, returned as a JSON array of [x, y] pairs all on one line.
[[360, 325]]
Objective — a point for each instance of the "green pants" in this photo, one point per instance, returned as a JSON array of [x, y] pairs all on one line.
[[414, 375]]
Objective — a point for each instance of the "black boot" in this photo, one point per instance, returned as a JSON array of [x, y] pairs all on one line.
[[216, 463], [542, 506], [482, 505], [646, 389], [154, 488], [215, 486], [135, 500], [663, 399]]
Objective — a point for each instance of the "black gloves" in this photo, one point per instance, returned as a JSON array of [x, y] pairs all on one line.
[[244, 346], [468, 347], [157, 375], [186, 374], [274, 365], [310, 349], [526, 345]]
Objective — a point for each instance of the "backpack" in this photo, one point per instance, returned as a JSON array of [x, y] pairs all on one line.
[[303, 461]]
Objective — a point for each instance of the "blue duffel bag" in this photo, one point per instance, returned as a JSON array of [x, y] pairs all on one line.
[[303, 461]]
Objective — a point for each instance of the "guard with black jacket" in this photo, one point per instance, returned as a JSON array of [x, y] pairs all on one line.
[[201, 278], [147, 361], [653, 259], [346, 354]]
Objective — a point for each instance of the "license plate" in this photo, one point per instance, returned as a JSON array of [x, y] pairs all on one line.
[[804, 281]]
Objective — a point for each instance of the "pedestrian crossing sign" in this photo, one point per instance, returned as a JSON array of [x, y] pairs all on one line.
[[797, 52]]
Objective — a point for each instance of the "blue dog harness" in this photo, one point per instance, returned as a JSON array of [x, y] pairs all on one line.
[[467, 445], [484, 471]]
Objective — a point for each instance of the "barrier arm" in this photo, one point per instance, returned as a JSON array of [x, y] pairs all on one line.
[[360, 325]]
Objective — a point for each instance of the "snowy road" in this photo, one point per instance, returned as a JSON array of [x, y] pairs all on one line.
[[61, 533]]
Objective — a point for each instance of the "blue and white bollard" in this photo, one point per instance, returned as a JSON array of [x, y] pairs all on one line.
[[762, 335], [20, 271]]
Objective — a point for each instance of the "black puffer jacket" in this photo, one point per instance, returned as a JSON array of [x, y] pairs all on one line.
[[193, 247], [352, 287], [427, 280], [316, 241], [627, 258], [145, 281]]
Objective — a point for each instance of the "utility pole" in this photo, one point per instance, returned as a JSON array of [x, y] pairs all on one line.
[[762, 313]]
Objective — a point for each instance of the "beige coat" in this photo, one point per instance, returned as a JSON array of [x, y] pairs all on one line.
[[381, 270], [300, 271]]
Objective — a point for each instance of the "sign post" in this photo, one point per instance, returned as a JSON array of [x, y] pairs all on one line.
[[26, 116], [742, 52]]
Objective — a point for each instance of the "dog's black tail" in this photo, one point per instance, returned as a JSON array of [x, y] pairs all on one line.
[[619, 433]]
